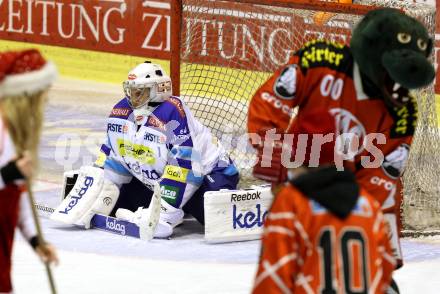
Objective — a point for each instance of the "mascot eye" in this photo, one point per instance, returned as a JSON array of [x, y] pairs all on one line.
[[404, 38], [422, 44]]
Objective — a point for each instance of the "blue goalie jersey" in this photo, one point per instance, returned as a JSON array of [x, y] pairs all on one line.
[[170, 146]]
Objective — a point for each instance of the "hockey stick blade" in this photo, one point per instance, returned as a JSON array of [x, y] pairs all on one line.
[[151, 218], [114, 225]]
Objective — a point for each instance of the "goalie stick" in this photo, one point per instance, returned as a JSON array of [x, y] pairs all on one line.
[[145, 231], [43, 208], [152, 215], [103, 223]]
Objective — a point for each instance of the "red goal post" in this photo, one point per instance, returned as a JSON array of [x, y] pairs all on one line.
[[222, 51]]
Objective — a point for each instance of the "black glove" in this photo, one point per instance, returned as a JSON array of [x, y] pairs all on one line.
[[10, 172]]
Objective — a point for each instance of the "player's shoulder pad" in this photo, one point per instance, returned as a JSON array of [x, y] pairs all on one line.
[[323, 53], [171, 109], [177, 103], [405, 119], [121, 109]]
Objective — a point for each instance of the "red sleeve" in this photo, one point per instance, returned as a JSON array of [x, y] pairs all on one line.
[[382, 181]]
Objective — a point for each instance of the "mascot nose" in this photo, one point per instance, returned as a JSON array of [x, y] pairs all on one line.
[[409, 68]]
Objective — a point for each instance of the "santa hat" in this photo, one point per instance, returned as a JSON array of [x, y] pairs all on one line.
[[24, 72], [317, 121]]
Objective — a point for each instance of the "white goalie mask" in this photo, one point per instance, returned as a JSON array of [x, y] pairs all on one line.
[[147, 83]]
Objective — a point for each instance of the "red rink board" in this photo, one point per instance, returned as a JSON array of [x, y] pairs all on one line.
[[131, 27]]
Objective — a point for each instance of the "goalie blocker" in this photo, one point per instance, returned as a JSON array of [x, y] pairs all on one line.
[[230, 215]]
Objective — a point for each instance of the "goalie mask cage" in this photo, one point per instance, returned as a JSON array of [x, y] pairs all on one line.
[[222, 51]]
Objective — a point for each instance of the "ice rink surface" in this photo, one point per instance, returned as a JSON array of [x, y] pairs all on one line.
[[99, 262]]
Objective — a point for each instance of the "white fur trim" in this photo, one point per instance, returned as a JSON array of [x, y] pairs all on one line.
[[29, 82]]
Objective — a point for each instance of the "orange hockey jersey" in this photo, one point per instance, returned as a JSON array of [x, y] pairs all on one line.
[[324, 74], [308, 247]]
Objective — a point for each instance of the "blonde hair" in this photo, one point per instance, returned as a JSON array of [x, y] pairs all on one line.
[[23, 116]]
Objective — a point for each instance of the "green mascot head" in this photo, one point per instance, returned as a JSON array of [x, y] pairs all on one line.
[[392, 48]]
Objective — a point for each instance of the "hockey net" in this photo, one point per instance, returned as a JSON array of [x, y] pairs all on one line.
[[227, 49]]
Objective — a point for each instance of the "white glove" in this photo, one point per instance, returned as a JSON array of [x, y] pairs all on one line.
[[169, 218], [147, 218], [170, 215]]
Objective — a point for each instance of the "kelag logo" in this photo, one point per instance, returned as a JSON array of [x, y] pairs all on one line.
[[113, 225], [248, 219], [88, 182]]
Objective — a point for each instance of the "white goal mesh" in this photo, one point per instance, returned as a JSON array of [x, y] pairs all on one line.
[[229, 48]]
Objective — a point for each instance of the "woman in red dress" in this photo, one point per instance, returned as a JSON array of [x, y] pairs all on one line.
[[24, 80]]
